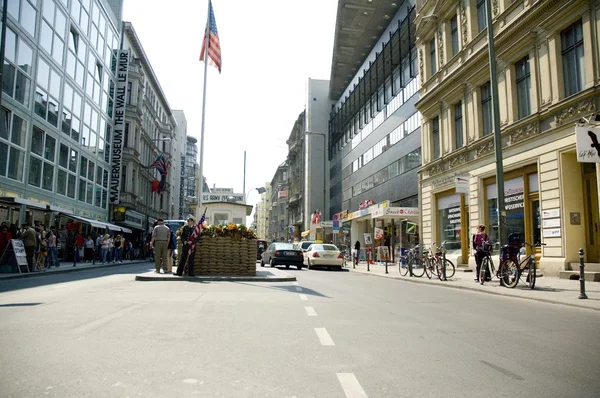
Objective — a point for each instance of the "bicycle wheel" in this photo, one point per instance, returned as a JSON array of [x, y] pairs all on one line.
[[450, 268], [403, 267], [428, 268], [531, 276], [418, 267], [509, 274], [482, 269]]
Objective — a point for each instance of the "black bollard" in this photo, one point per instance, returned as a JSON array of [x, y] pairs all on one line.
[[368, 261], [444, 263], [582, 294], [386, 271]]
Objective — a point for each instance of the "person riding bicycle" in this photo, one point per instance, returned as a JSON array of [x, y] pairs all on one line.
[[478, 240]]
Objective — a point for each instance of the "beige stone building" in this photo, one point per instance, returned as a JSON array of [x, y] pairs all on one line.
[[548, 69]]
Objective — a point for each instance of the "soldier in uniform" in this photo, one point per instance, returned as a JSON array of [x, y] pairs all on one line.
[[186, 243]]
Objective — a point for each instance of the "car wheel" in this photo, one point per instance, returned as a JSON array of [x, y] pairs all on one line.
[[287, 266], [272, 263], [262, 263]]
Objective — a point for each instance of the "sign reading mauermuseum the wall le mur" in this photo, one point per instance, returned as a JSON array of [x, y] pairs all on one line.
[[119, 122]]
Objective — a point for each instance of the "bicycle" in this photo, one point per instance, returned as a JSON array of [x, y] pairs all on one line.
[[512, 269], [411, 262], [433, 264], [488, 264]]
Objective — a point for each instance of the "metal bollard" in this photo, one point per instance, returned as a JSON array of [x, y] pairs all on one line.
[[582, 294], [444, 265], [368, 260], [386, 265]]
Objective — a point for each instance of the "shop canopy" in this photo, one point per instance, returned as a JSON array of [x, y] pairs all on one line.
[[101, 224], [305, 233], [397, 213]]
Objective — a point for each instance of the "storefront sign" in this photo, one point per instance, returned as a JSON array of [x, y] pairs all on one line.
[[222, 190], [366, 203], [327, 224], [134, 219], [551, 223], [119, 213], [336, 222], [551, 213], [551, 233], [462, 185], [182, 185], [343, 215], [588, 144], [378, 233], [119, 125]]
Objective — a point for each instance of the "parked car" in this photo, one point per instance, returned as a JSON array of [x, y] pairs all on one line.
[[261, 246], [281, 253], [305, 244], [324, 255]]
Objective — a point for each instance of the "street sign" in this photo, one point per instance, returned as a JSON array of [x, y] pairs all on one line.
[[462, 184], [588, 144]]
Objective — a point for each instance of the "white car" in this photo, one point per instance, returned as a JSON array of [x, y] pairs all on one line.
[[323, 255]]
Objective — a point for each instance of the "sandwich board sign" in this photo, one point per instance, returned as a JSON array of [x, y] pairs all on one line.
[[14, 257]]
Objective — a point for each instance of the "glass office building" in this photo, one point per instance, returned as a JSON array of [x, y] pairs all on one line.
[[56, 114]]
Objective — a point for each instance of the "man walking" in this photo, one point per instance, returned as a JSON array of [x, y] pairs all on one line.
[[28, 237], [185, 236], [160, 241]]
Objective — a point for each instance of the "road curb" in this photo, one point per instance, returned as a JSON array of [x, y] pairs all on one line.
[[404, 279], [151, 278], [68, 269]]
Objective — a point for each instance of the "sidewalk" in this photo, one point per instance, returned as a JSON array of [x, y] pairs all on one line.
[[547, 289], [67, 266]]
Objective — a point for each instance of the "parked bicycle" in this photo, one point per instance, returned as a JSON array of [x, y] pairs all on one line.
[[411, 262], [511, 269], [436, 262]]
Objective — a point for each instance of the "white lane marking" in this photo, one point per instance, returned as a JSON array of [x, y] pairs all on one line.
[[298, 289], [310, 311], [351, 386], [303, 297], [324, 337]]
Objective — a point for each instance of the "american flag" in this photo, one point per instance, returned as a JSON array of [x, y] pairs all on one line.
[[198, 228], [214, 48]]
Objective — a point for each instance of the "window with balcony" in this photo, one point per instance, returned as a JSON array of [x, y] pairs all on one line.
[[486, 108], [523, 80], [572, 58], [458, 125], [435, 137], [454, 34]]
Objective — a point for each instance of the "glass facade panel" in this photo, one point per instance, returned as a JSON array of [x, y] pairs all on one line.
[[449, 223], [513, 204]]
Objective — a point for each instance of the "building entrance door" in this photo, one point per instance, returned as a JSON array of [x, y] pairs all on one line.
[[590, 196]]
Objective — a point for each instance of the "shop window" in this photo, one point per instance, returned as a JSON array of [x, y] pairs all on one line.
[[514, 204], [449, 223]]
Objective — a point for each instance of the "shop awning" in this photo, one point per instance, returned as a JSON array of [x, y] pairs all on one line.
[[101, 224], [305, 233], [397, 213]]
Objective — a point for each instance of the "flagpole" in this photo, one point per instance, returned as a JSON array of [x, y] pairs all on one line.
[[206, 34]]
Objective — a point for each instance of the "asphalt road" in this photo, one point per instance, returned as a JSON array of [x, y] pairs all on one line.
[[99, 333]]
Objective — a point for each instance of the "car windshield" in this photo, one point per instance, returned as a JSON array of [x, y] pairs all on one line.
[[284, 246], [305, 245]]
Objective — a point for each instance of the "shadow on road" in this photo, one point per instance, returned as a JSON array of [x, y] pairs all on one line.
[[288, 288], [50, 278], [20, 305]]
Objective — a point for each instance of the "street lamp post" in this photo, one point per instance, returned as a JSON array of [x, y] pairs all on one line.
[[497, 136]]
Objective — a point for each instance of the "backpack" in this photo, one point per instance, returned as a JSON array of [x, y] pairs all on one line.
[[172, 241]]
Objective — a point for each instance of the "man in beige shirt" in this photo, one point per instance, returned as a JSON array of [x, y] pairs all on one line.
[[160, 240]]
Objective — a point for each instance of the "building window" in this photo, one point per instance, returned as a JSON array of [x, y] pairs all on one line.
[[454, 34], [128, 95], [433, 66], [435, 137], [449, 226], [523, 80], [572, 58], [126, 135], [481, 17], [514, 205], [16, 81], [13, 132], [458, 125], [486, 108]]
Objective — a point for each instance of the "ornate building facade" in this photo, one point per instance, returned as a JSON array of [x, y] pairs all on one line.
[[548, 79]]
